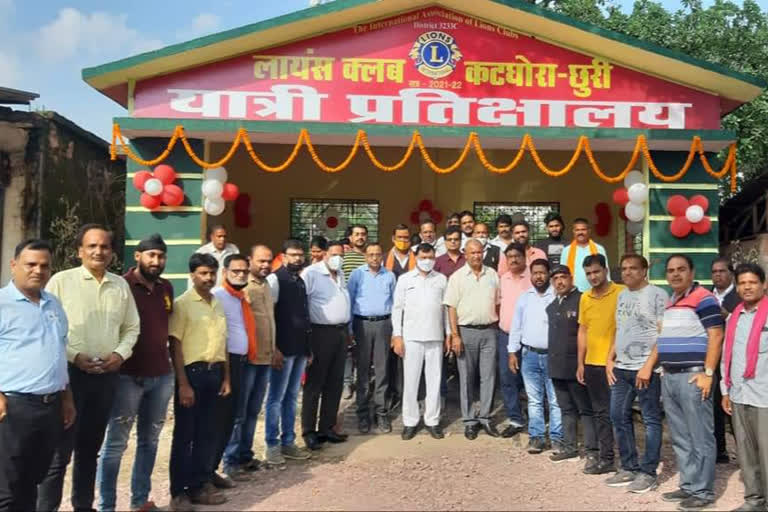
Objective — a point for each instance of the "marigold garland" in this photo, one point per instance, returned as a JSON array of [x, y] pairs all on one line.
[[472, 142]]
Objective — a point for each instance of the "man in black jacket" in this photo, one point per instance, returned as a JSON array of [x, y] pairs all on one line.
[[563, 315], [491, 253]]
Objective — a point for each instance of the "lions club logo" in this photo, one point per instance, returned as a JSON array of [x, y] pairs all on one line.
[[435, 54]]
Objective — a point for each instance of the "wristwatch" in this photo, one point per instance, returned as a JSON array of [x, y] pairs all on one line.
[[709, 372]]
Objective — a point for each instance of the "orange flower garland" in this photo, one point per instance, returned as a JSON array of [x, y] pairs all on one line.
[[472, 142]]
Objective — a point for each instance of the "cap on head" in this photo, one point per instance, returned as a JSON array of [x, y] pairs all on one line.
[[152, 242]]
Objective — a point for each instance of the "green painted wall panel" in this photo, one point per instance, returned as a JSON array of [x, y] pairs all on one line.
[[701, 263], [657, 200], [670, 163], [151, 147], [171, 225], [662, 238], [192, 193], [179, 286]]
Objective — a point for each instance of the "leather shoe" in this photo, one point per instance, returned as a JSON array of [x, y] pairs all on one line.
[[490, 430], [408, 433], [436, 432], [470, 432], [364, 425], [332, 437], [312, 441], [511, 431], [382, 421]]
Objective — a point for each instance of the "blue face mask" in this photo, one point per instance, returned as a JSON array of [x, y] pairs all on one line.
[[335, 262]]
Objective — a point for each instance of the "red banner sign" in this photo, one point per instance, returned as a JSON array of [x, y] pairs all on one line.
[[427, 67]]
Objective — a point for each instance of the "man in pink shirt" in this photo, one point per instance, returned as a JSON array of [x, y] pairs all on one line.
[[521, 234], [513, 283]]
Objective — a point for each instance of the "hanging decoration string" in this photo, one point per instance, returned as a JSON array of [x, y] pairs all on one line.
[[472, 143]]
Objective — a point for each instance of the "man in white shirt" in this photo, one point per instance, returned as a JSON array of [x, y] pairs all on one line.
[[329, 314], [418, 331], [218, 247]]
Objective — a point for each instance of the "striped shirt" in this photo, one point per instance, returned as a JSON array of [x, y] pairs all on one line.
[[683, 339], [352, 260]]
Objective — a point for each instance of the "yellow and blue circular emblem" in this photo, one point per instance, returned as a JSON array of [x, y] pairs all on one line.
[[435, 54]]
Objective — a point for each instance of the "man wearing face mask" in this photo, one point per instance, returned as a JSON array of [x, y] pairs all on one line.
[[329, 312], [530, 331], [241, 348], [553, 245], [490, 252], [400, 259], [292, 353], [418, 328]]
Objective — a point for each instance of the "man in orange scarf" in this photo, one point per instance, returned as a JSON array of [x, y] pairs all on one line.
[[241, 346], [582, 246]]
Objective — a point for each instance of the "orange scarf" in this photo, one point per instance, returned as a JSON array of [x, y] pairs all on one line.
[[250, 322], [390, 263], [572, 254]]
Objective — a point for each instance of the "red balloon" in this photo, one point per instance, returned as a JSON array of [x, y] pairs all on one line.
[[140, 178], [680, 227], [331, 222], [425, 205], [703, 226], [701, 201], [243, 211], [621, 196], [603, 224], [622, 215], [437, 216], [172, 195], [415, 218], [149, 202], [676, 205], [230, 192], [165, 173]]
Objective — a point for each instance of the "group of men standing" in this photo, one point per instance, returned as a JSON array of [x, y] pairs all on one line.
[[87, 353]]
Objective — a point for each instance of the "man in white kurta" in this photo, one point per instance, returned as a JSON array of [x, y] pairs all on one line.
[[418, 336]]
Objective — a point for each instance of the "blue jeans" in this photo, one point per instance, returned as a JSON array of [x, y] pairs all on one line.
[[535, 370], [145, 399], [252, 390], [691, 430], [510, 383], [623, 394], [282, 400]]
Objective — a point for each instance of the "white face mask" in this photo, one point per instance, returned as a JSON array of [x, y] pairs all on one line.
[[334, 262], [483, 240], [425, 265]]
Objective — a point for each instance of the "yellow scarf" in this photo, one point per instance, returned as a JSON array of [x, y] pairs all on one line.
[[572, 254]]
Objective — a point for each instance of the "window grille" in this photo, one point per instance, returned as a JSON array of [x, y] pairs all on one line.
[[331, 217], [533, 213]]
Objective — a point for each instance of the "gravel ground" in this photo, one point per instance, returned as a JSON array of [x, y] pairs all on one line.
[[382, 472]]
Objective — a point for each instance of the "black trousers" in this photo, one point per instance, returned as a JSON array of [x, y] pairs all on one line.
[[600, 397], [29, 435], [194, 429], [226, 409], [325, 378], [93, 396], [574, 402], [720, 417]]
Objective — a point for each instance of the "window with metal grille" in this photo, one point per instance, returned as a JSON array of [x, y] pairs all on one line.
[[533, 213], [331, 217]]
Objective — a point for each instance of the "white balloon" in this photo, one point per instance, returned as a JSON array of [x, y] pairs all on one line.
[[634, 212], [153, 187], [638, 193], [694, 213], [634, 228], [633, 177], [214, 206], [212, 189], [218, 173]]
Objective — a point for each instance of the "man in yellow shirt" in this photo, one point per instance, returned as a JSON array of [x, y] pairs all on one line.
[[103, 328], [597, 327], [198, 334]]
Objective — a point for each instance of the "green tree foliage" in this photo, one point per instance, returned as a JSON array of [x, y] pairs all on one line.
[[724, 33]]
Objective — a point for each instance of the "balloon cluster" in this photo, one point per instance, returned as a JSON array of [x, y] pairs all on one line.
[[426, 211], [689, 215], [216, 190], [632, 198], [157, 187]]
